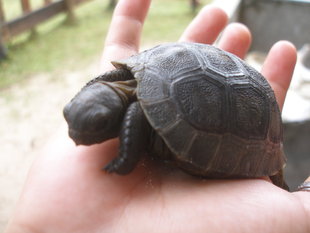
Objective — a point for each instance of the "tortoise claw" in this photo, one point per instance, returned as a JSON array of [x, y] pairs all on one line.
[[110, 167], [118, 165]]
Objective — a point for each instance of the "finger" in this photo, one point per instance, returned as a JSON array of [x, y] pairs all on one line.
[[123, 38], [236, 39], [278, 68], [206, 26]]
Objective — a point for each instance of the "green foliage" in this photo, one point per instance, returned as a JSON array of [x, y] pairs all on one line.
[[57, 46]]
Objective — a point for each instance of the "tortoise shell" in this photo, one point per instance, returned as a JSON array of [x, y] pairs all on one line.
[[217, 115]]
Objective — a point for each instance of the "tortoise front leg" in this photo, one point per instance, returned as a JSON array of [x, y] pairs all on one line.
[[278, 180], [134, 139]]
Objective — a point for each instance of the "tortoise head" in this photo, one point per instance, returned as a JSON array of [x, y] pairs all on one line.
[[94, 114]]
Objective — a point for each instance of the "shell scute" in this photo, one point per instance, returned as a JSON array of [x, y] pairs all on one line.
[[250, 112], [196, 96], [220, 62], [160, 114], [152, 88]]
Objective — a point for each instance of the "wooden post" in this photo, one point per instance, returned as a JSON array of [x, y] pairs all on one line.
[[71, 19], [46, 2], [25, 6], [3, 51], [194, 5], [112, 4]]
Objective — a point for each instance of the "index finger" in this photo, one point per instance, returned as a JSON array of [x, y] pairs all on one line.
[[278, 68], [123, 38]]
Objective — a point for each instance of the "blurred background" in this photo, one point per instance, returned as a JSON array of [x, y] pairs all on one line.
[[50, 49]]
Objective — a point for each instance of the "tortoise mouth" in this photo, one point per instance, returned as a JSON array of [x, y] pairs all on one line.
[[89, 138]]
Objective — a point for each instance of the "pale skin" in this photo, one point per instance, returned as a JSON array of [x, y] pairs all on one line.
[[66, 190]]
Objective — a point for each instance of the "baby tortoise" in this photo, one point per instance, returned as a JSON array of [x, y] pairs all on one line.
[[202, 108]]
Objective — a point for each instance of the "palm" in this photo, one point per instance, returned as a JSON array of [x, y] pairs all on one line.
[[67, 191], [75, 194]]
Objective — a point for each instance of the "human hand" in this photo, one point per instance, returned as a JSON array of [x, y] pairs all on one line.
[[66, 191]]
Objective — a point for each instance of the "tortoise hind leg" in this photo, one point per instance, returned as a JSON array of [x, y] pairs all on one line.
[[278, 180], [133, 141]]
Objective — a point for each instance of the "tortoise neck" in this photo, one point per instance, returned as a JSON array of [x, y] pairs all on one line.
[[126, 90]]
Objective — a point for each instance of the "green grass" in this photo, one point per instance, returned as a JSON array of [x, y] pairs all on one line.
[[58, 46]]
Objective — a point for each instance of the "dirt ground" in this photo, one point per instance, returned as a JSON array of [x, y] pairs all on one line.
[[31, 112]]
